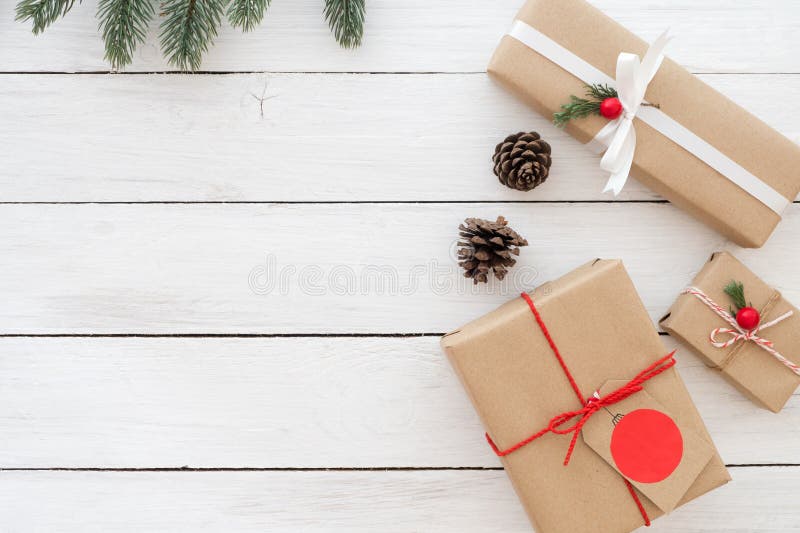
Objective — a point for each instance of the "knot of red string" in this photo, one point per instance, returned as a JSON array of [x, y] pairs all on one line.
[[560, 424], [573, 421]]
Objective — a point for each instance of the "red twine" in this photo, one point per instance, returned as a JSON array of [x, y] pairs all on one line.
[[590, 406]]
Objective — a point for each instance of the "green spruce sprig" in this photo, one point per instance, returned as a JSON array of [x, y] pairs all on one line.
[[735, 289], [123, 24], [247, 14], [188, 27], [42, 13], [346, 20], [600, 91], [584, 107]]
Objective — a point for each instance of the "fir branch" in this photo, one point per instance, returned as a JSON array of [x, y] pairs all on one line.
[[247, 14], [346, 20], [576, 108], [600, 91], [581, 107], [735, 290], [124, 25], [188, 28], [42, 12]]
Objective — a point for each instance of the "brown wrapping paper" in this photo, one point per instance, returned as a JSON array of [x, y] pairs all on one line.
[[659, 163], [515, 383], [756, 373]]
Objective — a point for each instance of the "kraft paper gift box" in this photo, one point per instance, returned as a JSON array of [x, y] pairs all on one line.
[[659, 163], [756, 372], [606, 338]]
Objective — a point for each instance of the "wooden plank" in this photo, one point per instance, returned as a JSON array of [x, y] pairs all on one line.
[[287, 402], [353, 268], [422, 36], [321, 138], [349, 502]]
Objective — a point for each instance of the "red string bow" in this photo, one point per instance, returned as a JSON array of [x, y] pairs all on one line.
[[593, 404], [590, 406]]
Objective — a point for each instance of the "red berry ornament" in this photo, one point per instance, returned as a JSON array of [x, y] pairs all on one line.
[[647, 446], [748, 318], [611, 108]]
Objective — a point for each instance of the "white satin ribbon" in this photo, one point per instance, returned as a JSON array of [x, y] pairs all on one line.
[[618, 137]]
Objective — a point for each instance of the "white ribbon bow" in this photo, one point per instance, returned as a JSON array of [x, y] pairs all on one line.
[[619, 135], [633, 78]]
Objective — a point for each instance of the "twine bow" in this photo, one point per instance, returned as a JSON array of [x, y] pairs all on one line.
[[592, 405], [619, 135], [737, 333]]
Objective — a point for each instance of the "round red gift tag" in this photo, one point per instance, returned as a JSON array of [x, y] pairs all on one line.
[[647, 446]]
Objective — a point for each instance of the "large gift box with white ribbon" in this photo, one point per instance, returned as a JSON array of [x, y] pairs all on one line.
[[675, 134], [581, 401], [760, 353]]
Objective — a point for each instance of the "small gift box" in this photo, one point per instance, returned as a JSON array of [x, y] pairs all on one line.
[[742, 327], [580, 400], [673, 132]]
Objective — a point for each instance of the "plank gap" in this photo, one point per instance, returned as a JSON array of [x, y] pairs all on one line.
[[222, 335], [325, 72], [334, 202], [317, 469]]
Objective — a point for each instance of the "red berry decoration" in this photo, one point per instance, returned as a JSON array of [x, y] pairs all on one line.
[[611, 108], [747, 316], [600, 100], [647, 446]]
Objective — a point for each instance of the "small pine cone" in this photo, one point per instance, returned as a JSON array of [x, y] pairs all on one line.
[[487, 246], [522, 161]]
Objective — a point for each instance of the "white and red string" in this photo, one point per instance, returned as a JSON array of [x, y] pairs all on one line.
[[737, 334]]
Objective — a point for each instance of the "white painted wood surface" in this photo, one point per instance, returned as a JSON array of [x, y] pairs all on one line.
[[346, 502], [287, 403], [356, 177], [327, 268], [339, 137]]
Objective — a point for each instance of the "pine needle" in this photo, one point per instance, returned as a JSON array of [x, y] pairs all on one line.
[[346, 20], [42, 12], [581, 107], [188, 28], [576, 108], [247, 14], [735, 290], [600, 91], [124, 25]]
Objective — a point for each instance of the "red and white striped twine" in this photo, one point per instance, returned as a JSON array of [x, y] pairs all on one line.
[[738, 334]]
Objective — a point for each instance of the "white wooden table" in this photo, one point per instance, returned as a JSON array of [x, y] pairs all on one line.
[[151, 379]]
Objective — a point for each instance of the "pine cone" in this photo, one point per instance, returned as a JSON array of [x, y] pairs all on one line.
[[522, 161], [487, 246]]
